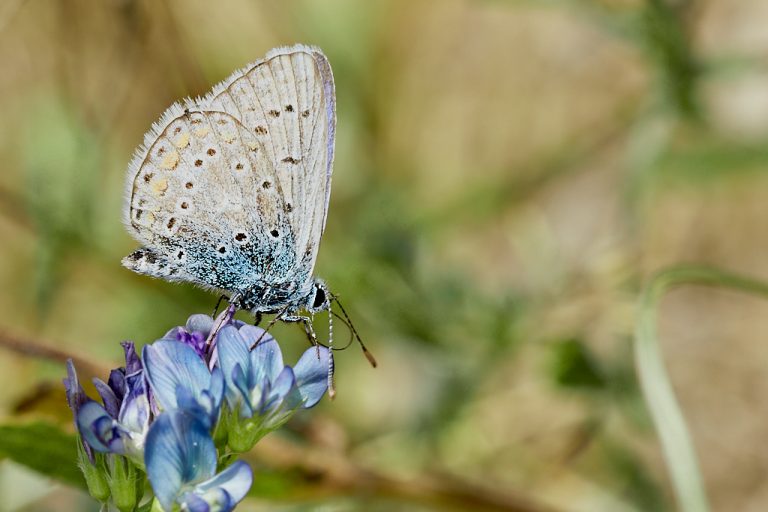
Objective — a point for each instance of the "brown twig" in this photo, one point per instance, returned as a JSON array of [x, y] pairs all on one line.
[[38, 350]]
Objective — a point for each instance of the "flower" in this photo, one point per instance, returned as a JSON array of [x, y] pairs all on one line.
[[181, 466], [119, 425], [159, 412], [262, 393]]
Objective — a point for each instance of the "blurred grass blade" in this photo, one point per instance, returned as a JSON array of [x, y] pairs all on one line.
[[43, 448], [679, 453]]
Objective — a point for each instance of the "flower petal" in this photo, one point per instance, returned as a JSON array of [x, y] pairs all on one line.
[[278, 390], [312, 375], [108, 397], [132, 361], [216, 387], [170, 364], [178, 452], [233, 352], [99, 429], [135, 411], [116, 382], [191, 502], [266, 357], [235, 482], [76, 396], [200, 323], [253, 334]]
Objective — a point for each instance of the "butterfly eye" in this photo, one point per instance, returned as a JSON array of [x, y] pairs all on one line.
[[319, 298]]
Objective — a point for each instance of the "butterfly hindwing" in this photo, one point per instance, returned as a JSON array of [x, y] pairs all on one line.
[[205, 198]]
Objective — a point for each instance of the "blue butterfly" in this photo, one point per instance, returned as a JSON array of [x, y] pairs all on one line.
[[230, 191]]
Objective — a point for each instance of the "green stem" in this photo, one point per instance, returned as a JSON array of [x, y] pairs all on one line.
[[670, 425]]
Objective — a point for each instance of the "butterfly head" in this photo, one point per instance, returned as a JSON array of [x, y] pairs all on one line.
[[319, 298]]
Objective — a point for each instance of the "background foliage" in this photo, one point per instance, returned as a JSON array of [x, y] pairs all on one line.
[[508, 174]]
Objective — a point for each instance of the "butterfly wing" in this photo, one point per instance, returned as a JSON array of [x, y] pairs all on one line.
[[287, 100], [203, 198]]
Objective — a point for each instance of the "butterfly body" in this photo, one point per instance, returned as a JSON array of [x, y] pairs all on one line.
[[230, 191]]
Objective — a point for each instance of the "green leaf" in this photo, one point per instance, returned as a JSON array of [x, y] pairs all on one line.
[[44, 448]]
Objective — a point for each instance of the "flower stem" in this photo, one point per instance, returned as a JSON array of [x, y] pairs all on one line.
[[670, 425]]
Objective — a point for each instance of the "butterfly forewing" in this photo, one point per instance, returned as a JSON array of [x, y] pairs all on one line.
[[287, 100]]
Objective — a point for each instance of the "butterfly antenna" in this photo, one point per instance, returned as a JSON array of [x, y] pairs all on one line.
[[366, 352], [349, 329], [331, 386], [351, 336]]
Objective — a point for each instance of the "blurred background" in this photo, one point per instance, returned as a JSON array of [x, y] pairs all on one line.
[[508, 175]]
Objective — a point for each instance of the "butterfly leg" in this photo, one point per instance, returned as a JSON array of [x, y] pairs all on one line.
[[307, 328], [257, 318], [218, 304], [307, 321]]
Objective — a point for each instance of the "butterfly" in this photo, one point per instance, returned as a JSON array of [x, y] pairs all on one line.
[[230, 191]]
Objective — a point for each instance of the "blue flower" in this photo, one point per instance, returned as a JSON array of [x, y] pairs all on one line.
[[119, 425], [159, 412], [260, 389], [180, 379], [181, 466]]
